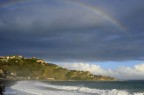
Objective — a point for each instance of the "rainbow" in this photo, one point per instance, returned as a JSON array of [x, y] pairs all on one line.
[[82, 5], [97, 11]]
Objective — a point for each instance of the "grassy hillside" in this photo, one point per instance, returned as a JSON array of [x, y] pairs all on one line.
[[18, 67]]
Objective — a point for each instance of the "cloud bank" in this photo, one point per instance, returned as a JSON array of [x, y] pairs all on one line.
[[136, 72]]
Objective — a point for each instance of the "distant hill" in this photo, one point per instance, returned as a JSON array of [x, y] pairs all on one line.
[[20, 68]]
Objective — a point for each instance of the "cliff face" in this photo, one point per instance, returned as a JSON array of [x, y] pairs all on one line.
[[18, 67]]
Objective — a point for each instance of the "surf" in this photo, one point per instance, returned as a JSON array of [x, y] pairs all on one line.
[[41, 88]]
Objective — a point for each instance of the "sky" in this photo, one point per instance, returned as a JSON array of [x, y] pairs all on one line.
[[104, 37]]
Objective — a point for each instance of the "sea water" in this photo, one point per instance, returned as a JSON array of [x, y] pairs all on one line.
[[76, 88]]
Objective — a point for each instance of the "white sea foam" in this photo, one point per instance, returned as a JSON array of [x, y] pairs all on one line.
[[37, 88], [32, 88]]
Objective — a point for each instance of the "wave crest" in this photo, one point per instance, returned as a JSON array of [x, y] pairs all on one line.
[[36, 88]]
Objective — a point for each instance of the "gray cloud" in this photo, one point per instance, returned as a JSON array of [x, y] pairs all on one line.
[[60, 31]]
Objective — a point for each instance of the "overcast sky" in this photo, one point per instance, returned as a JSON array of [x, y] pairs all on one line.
[[105, 33]]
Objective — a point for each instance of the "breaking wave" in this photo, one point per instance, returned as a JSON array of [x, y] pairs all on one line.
[[40, 88]]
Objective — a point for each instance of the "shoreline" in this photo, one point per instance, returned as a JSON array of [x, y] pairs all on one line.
[[28, 83], [9, 82]]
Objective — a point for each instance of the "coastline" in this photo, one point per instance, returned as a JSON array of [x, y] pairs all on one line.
[[42, 87], [10, 82]]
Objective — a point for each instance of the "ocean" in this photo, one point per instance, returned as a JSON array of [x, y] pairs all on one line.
[[76, 88]]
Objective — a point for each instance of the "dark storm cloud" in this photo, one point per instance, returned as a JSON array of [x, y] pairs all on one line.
[[69, 33]]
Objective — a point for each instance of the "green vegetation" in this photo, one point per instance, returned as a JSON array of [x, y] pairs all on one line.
[[18, 67]]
